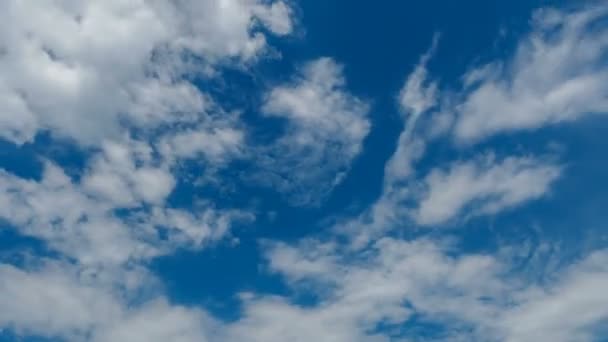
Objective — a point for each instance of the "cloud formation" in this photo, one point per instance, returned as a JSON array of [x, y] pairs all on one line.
[[486, 186], [371, 276], [326, 126], [388, 291], [557, 74], [75, 81]]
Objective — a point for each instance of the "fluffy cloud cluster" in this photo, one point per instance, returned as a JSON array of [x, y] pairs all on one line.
[[104, 62], [73, 220], [55, 300], [117, 80]]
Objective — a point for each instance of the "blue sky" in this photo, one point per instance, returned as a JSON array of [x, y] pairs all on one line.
[[340, 171]]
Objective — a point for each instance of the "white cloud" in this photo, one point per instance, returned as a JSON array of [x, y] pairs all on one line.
[[419, 94], [116, 77], [59, 300], [153, 100], [386, 284], [63, 65], [111, 76], [115, 175], [59, 213], [393, 282], [398, 283], [158, 321], [325, 127], [572, 308], [80, 222], [486, 184], [51, 302], [558, 74], [195, 227], [216, 144], [277, 17]]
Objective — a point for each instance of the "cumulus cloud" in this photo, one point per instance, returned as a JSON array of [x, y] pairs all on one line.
[[79, 70], [126, 174], [59, 213], [80, 221], [93, 284], [215, 144], [51, 302], [326, 126], [117, 79], [60, 300], [158, 321]]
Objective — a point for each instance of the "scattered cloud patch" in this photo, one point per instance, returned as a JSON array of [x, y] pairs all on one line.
[[64, 69], [486, 185], [326, 126], [557, 74]]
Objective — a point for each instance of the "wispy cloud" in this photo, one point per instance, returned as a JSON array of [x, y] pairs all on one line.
[[326, 126], [483, 186], [557, 74]]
